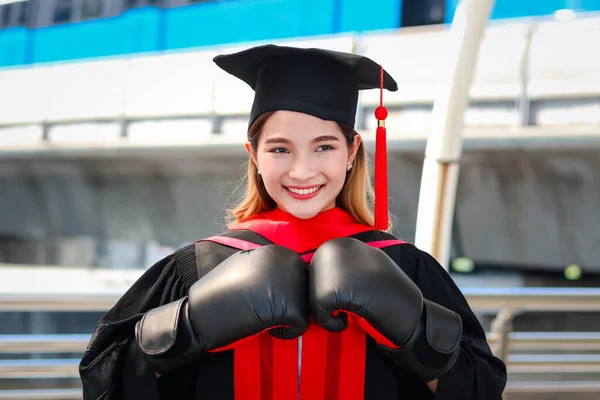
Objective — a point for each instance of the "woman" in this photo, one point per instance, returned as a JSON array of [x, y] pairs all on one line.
[[371, 317]]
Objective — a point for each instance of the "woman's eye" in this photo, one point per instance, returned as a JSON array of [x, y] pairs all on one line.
[[278, 150], [325, 147]]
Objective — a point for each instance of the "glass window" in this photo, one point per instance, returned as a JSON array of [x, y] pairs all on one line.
[[13, 15], [63, 11], [141, 3], [24, 13], [132, 3], [91, 9], [422, 12], [5, 15]]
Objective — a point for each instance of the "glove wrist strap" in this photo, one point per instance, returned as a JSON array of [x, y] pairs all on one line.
[[166, 338], [434, 349]]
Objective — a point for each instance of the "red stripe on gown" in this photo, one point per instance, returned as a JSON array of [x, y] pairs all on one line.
[[285, 369], [333, 364], [332, 374], [352, 362], [265, 368], [246, 369], [314, 357]]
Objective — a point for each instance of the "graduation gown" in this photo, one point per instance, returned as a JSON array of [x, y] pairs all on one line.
[[112, 367]]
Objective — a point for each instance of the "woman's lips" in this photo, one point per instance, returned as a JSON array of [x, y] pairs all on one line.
[[304, 193]]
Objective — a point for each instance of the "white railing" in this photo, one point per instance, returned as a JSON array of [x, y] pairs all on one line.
[[550, 352]]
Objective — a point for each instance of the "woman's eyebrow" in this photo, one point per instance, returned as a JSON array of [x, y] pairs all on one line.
[[325, 138], [277, 140], [318, 139]]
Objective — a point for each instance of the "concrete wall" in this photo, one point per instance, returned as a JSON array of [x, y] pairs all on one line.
[[515, 207]]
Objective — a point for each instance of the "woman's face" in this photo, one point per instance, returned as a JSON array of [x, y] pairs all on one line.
[[302, 161]]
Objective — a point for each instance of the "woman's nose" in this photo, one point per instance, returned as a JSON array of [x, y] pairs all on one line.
[[302, 169]]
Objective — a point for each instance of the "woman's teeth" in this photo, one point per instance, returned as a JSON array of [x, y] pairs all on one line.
[[304, 191]]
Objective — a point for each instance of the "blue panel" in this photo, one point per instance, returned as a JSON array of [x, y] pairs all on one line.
[[544, 7], [501, 9], [131, 32], [450, 10], [360, 15], [510, 8], [237, 21], [141, 29], [587, 5], [86, 39], [319, 16], [13, 46]]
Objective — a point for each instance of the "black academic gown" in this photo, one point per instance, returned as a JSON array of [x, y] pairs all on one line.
[[112, 367]]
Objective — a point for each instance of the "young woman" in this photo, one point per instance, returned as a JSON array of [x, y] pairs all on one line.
[[306, 295]]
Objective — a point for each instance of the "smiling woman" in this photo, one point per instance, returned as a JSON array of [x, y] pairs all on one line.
[[372, 317]]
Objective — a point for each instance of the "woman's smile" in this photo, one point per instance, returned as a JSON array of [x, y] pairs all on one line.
[[304, 193]]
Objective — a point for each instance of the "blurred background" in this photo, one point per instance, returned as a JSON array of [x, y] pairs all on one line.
[[120, 141]]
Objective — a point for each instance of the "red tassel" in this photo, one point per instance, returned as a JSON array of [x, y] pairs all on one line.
[[381, 189], [381, 178]]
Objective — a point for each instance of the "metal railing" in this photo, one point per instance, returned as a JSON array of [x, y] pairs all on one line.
[[551, 352]]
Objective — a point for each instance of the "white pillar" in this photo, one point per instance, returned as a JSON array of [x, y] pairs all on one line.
[[444, 143]]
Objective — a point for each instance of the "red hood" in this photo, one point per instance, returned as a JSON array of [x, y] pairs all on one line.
[[302, 235]]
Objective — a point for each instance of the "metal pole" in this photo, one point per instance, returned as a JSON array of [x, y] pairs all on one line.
[[444, 144], [502, 327]]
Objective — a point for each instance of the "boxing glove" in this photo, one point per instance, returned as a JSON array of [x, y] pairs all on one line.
[[248, 293], [347, 276]]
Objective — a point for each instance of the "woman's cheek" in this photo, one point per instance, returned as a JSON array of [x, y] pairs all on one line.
[[334, 164], [274, 168]]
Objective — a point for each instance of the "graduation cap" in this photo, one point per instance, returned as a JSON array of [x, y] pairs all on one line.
[[318, 82]]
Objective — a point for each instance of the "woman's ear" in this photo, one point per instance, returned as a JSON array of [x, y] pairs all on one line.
[[354, 148], [251, 153]]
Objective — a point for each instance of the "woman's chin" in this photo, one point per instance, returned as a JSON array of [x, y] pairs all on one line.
[[304, 214], [303, 211]]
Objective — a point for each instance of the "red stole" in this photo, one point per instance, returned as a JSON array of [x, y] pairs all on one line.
[[333, 364]]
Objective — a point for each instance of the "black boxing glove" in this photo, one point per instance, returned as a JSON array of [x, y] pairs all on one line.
[[248, 293], [349, 276]]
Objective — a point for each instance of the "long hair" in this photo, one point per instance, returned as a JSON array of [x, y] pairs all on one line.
[[356, 196]]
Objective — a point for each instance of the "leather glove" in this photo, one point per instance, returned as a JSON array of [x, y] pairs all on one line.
[[248, 293], [349, 276]]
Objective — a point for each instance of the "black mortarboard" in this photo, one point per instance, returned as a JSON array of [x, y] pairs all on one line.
[[319, 82]]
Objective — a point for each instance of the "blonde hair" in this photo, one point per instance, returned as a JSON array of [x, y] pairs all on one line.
[[356, 196]]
